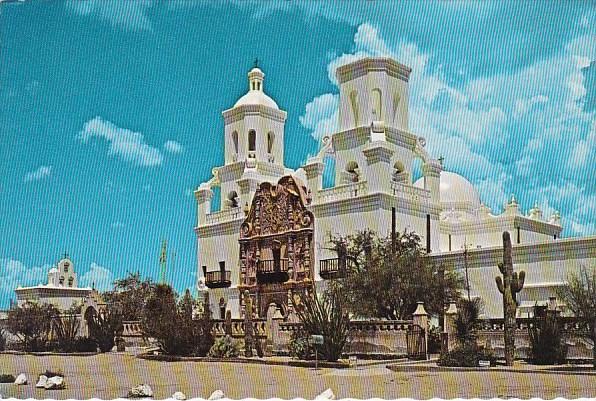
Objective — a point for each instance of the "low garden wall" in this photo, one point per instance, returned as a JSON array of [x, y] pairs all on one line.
[[491, 336]]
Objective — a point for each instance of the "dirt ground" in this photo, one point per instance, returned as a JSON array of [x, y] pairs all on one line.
[[109, 376]]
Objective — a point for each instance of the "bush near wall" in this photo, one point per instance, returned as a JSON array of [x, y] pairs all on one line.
[[467, 355]]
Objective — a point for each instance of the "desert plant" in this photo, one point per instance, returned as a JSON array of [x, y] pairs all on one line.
[[580, 296], [85, 344], [104, 326], [6, 378], [509, 286], [300, 346], [175, 325], [3, 339], [466, 355], [224, 347], [32, 323], [52, 373], [466, 320], [65, 329], [547, 343], [325, 316]]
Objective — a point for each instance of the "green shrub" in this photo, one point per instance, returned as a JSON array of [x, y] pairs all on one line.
[[3, 340], [547, 344], [52, 373], [104, 326], [434, 340], [224, 347], [326, 316], [174, 325], [7, 378], [85, 344], [300, 346], [467, 355]]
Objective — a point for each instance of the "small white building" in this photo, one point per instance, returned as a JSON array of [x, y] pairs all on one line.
[[61, 290], [270, 234]]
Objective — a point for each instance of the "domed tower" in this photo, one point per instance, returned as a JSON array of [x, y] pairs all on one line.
[[254, 127]]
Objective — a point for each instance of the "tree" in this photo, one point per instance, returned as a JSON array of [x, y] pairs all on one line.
[[386, 281], [580, 296], [104, 326], [130, 293], [32, 323], [326, 316], [174, 323]]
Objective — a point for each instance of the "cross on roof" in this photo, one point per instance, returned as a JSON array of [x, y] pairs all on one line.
[[256, 63], [441, 159]]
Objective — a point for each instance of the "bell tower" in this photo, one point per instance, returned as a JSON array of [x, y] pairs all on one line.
[[373, 90]]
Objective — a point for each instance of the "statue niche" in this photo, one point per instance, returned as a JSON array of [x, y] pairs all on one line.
[[276, 247]]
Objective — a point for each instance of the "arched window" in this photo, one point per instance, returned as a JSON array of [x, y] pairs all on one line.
[[252, 140], [70, 281], [270, 140], [235, 141], [353, 171], [61, 280], [222, 308], [377, 111], [354, 103], [66, 267]]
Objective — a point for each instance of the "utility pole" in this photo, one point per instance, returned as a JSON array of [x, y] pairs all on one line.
[[163, 259]]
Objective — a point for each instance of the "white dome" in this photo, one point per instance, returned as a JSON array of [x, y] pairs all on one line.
[[455, 190], [53, 270], [256, 97]]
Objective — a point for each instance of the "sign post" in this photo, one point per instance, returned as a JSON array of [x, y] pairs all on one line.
[[316, 339]]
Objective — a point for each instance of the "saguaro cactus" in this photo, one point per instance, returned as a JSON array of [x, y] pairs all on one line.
[[509, 286]]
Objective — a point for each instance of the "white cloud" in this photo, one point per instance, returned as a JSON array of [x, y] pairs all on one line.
[[127, 15], [509, 132], [41, 173], [130, 146], [98, 277], [14, 273], [118, 224], [321, 115], [173, 147]]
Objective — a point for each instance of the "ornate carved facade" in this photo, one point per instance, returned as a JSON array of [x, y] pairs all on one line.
[[276, 244]]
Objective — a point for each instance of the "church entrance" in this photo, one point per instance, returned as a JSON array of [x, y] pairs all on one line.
[[276, 245]]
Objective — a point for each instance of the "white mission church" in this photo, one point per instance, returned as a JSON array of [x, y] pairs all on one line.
[[270, 234]]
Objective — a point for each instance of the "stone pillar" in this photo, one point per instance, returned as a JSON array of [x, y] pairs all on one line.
[[203, 194], [420, 317], [449, 325], [432, 175], [248, 328], [271, 329], [314, 174], [378, 175], [248, 185]]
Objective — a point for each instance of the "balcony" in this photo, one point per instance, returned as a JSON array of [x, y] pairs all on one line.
[[272, 271], [332, 268], [218, 279]]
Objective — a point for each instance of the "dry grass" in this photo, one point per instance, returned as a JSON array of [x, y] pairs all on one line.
[[109, 376]]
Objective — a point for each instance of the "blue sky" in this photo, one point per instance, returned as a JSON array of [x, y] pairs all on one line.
[[110, 112]]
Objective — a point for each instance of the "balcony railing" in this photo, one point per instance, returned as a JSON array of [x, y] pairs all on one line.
[[332, 268], [345, 191], [218, 279], [408, 191], [273, 270], [220, 216]]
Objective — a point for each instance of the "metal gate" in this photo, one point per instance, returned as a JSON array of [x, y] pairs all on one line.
[[416, 342]]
